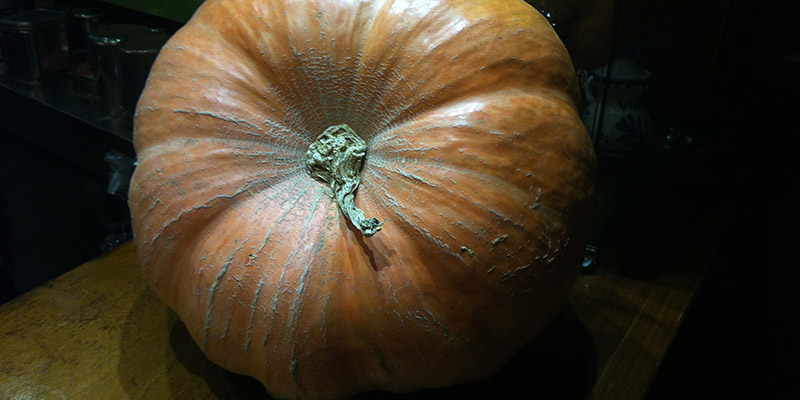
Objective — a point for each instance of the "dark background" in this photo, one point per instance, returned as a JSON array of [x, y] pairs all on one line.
[[55, 209], [728, 71]]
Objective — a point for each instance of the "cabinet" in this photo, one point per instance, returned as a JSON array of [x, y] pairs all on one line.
[[55, 212]]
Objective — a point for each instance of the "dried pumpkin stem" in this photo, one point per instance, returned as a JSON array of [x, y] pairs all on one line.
[[336, 158]]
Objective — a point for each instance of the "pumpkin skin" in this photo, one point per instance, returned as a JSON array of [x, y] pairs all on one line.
[[477, 163]]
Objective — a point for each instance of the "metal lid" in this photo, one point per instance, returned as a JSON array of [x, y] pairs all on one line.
[[87, 13], [32, 20], [150, 43], [110, 35], [623, 69]]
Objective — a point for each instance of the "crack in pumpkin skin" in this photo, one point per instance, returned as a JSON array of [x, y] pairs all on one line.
[[459, 116]]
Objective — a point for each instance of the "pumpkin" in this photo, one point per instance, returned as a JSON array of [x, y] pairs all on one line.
[[341, 196]]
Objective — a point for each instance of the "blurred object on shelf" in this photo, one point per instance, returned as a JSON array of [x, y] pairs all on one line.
[[34, 45], [677, 138], [120, 169], [617, 118], [137, 55], [589, 264], [118, 233], [8, 8], [80, 24], [104, 54]]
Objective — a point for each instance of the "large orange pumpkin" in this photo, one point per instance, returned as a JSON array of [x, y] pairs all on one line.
[[474, 171]]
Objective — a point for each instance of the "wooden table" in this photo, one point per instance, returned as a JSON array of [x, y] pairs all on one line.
[[98, 332]]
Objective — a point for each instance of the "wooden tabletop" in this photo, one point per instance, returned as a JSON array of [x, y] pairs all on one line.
[[98, 332]]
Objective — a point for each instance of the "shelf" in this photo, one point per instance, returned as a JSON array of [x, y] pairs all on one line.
[[59, 94]]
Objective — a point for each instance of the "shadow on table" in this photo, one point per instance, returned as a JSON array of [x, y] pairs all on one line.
[[175, 370], [561, 363], [224, 384]]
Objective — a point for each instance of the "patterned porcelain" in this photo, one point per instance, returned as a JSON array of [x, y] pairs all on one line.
[[625, 124]]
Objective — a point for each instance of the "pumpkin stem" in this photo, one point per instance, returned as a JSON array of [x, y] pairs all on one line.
[[336, 158]]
